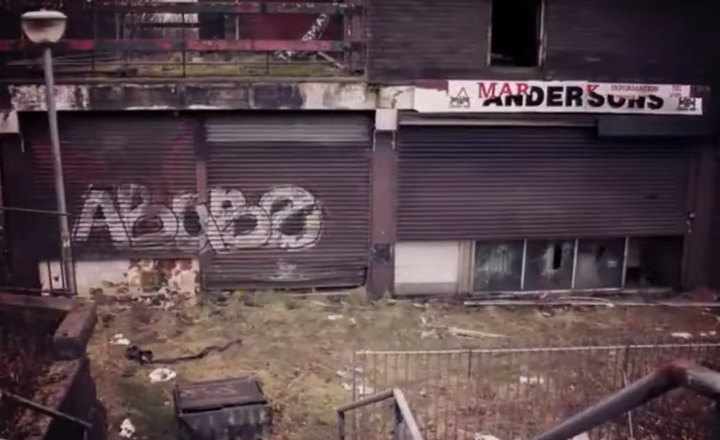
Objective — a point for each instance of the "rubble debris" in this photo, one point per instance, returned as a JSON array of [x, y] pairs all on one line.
[[681, 335], [335, 317]]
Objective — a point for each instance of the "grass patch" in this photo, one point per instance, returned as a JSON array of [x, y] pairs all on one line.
[[302, 350]]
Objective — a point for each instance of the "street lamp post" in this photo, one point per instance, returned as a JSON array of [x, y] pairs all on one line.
[[46, 28]]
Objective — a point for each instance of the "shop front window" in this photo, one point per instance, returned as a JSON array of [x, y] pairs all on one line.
[[588, 264]]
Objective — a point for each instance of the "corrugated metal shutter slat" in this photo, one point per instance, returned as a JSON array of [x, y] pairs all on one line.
[[493, 182], [305, 184], [122, 173]]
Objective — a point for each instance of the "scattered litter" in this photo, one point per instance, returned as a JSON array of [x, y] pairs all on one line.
[[361, 389], [358, 370], [479, 436], [348, 371], [353, 321], [473, 333], [583, 436], [119, 339], [364, 390], [708, 334], [127, 429], [135, 353], [681, 335], [428, 334], [335, 317], [531, 380], [421, 306], [162, 375]]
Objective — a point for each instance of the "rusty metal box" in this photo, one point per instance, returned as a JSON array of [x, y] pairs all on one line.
[[227, 409]]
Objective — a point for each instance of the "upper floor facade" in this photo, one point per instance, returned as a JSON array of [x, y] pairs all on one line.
[[374, 41]]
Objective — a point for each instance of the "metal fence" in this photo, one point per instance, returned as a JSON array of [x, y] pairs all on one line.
[[516, 393], [147, 38]]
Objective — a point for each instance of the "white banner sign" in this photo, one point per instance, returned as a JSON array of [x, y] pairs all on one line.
[[557, 97]]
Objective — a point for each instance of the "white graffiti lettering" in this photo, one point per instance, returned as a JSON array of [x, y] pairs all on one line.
[[286, 217], [316, 31]]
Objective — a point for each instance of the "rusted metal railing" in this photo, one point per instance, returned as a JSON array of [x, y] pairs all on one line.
[[679, 374], [518, 393], [404, 425], [147, 38]]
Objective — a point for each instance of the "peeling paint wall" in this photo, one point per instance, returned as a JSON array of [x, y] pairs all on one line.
[[127, 278], [214, 96], [32, 98]]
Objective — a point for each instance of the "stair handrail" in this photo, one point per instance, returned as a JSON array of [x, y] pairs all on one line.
[[403, 416], [677, 374]]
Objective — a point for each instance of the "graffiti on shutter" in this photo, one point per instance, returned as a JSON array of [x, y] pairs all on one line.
[[285, 217]]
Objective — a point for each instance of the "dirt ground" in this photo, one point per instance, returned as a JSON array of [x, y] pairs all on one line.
[[302, 349]]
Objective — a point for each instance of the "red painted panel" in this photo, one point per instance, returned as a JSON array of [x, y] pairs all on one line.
[[295, 44], [288, 26]]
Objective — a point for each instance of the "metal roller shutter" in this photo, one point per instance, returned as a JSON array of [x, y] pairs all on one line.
[[527, 182], [126, 177], [288, 203], [713, 253]]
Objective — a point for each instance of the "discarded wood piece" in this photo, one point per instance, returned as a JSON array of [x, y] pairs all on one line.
[[455, 331]]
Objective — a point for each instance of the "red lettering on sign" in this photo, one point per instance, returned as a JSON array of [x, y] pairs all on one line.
[[487, 92], [506, 90], [592, 87], [523, 88]]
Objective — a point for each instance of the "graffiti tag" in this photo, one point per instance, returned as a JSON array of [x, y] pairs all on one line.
[[286, 217], [316, 31]]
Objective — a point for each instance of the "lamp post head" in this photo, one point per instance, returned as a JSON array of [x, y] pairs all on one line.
[[44, 27]]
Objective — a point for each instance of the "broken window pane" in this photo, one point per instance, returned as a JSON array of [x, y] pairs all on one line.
[[515, 33], [498, 266], [549, 264], [599, 263], [654, 262]]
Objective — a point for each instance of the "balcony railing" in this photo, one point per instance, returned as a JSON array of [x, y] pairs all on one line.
[[110, 38]]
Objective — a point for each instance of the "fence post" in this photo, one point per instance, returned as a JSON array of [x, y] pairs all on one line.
[[470, 365], [398, 422], [341, 425], [625, 382]]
